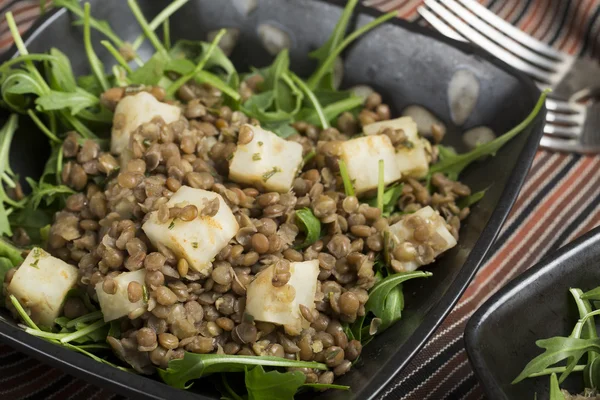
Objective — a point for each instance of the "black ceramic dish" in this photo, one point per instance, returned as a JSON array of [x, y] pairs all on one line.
[[501, 336], [406, 63]]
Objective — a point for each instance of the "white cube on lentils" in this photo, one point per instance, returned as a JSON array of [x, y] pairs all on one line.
[[362, 155], [200, 239], [135, 110], [267, 302], [411, 154], [118, 304], [426, 229], [265, 160], [52, 278]]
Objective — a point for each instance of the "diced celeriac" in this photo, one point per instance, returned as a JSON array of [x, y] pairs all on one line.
[[133, 111], [411, 159], [362, 155], [281, 305], [41, 284], [402, 232], [267, 161], [199, 240], [117, 305]]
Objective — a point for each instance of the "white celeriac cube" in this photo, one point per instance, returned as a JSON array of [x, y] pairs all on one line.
[[135, 110], [41, 284], [362, 155], [199, 240], [412, 159], [281, 305], [402, 232], [267, 161], [117, 305]]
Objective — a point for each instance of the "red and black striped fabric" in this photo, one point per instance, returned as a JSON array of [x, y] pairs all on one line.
[[559, 202]]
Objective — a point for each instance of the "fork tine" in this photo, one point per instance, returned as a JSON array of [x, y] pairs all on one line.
[[564, 106], [487, 44], [499, 37], [512, 31], [562, 131], [571, 119], [570, 145], [439, 25]]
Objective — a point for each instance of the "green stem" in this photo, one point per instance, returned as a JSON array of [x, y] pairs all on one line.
[[8, 180], [348, 188], [44, 334], [183, 79], [579, 325], [159, 19], [167, 34], [380, 187], [313, 99], [14, 31], [93, 316], [22, 313], [148, 31], [115, 53], [85, 331], [43, 127], [328, 63], [89, 49], [555, 370], [75, 9]]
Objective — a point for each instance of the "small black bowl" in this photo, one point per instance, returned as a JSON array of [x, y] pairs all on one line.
[[407, 64], [500, 337]]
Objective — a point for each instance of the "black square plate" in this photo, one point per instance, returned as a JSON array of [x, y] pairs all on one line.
[[406, 63], [501, 335]]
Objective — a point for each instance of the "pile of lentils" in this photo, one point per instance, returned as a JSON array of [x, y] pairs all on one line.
[[99, 231]]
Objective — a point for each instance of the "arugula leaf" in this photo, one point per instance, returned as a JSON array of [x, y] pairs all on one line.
[[103, 27], [452, 164], [323, 121], [326, 386], [95, 63], [10, 252], [15, 88], [61, 73], [378, 296], [6, 134], [272, 385], [472, 199], [310, 225], [47, 192], [282, 129], [331, 111], [555, 393], [326, 66], [5, 265], [199, 67], [593, 294], [558, 349], [75, 101], [148, 31], [151, 72], [32, 220], [194, 366], [192, 52], [160, 18], [339, 31]]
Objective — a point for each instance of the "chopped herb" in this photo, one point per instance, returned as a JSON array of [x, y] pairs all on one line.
[[147, 142], [195, 245], [256, 157], [408, 144], [260, 143], [380, 186], [229, 157], [172, 224], [35, 264], [267, 175], [145, 293]]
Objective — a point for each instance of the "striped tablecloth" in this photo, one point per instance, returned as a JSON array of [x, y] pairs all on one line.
[[559, 202]]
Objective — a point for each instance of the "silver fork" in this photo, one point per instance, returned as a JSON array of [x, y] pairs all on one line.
[[571, 78]]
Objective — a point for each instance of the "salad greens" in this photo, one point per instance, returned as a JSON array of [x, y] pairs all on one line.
[[44, 88], [578, 352], [310, 225]]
